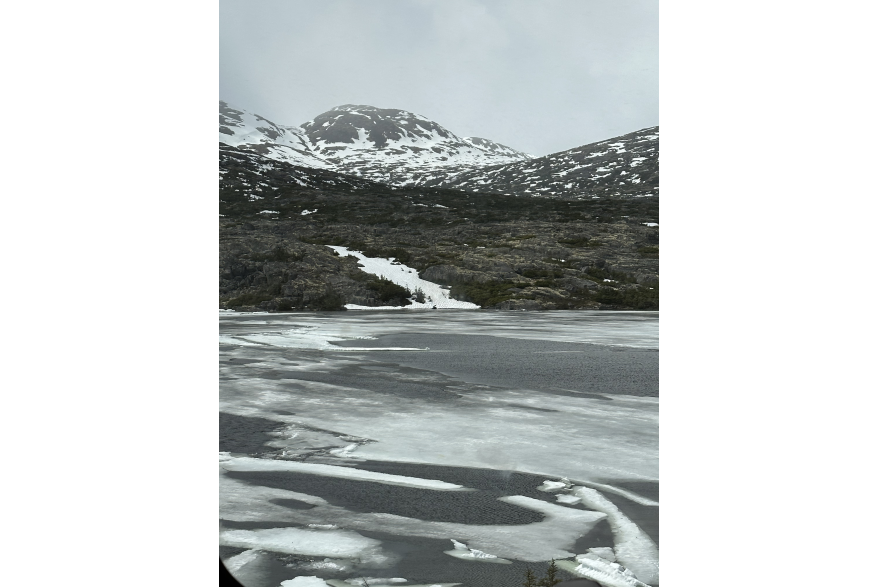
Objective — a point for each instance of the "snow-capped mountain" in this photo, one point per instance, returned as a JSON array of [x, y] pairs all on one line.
[[622, 166], [256, 177], [400, 148], [391, 146], [251, 132]]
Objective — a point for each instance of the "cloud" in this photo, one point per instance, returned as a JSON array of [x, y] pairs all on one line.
[[539, 76]]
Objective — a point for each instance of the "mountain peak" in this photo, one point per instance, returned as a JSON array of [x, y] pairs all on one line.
[[399, 147]]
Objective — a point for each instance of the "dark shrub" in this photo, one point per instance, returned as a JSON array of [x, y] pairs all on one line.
[[329, 301], [485, 295], [249, 299], [279, 253], [389, 293], [608, 295]]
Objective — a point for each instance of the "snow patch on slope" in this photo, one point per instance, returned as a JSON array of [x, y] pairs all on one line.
[[434, 294], [243, 129]]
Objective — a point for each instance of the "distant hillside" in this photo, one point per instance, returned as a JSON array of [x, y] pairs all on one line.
[[622, 166], [495, 250], [400, 148], [392, 146], [251, 132]]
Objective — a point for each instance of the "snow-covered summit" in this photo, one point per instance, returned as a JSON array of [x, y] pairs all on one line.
[[243, 129], [401, 148], [397, 146], [382, 144]]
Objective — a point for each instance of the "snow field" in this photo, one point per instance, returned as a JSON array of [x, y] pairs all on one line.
[[407, 277], [291, 143]]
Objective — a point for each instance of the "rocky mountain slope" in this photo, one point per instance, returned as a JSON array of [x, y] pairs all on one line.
[[251, 132], [622, 166], [392, 146], [400, 148], [495, 250]]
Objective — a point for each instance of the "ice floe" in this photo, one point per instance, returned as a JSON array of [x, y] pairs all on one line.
[[552, 486], [239, 560], [382, 581], [633, 547], [312, 581], [462, 551], [332, 543], [376, 581], [251, 464], [606, 573]]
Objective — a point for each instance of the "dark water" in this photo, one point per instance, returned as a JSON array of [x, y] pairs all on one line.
[[549, 366]]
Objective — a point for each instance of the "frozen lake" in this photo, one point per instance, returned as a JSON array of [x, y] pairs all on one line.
[[438, 447]]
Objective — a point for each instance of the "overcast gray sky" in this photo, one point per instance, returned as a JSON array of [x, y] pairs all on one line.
[[537, 75]]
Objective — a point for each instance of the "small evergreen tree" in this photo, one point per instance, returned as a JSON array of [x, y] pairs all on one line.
[[550, 579], [530, 579]]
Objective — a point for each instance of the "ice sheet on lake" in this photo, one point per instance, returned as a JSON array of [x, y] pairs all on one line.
[[553, 537], [614, 440], [252, 464], [631, 329], [303, 338], [619, 439], [635, 497], [239, 560], [382, 581], [376, 581], [332, 543], [564, 484], [304, 582]]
